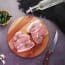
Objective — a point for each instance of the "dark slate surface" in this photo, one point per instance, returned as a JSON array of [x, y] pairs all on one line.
[[57, 58]]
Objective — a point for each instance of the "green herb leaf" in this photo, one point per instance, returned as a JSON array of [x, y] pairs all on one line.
[[4, 16]]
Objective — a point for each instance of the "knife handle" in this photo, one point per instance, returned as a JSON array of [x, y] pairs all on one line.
[[46, 58]]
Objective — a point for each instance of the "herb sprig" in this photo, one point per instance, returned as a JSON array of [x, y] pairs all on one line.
[[4, 17]]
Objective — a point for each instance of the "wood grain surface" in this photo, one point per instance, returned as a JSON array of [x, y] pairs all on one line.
[[21, 24]]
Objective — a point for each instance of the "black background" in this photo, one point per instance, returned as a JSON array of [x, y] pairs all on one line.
[[55, 13]]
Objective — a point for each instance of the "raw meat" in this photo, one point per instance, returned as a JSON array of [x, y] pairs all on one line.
[[22, 42], [37, 30]]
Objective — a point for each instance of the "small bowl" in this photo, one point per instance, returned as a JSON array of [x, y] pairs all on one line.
[[5, 23]]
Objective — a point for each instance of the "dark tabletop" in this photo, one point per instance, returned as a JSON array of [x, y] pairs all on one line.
[[57, 58]]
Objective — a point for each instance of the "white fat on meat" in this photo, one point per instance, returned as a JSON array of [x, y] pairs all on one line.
[[32, 24]]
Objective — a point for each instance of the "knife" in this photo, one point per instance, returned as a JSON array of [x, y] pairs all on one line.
[[50, 50], [44, 4]]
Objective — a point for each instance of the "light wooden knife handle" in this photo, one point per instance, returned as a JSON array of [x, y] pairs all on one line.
[[46, 58]]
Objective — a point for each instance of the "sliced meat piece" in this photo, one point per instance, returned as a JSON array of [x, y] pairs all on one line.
[[21, 36], [36, 37], [25, 46], [16, 36], [22, 42], [37, 32], [33, 25]]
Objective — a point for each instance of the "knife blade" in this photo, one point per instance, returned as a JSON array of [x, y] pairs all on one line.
[[51, 49], [44, 4]]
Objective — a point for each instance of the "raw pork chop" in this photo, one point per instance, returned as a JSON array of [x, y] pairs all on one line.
[[36, 29], [22, 42]]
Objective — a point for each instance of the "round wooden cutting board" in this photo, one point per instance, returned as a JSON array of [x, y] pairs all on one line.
[[21, 24]]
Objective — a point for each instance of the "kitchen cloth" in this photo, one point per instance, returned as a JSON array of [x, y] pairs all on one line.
[[56, 13]]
